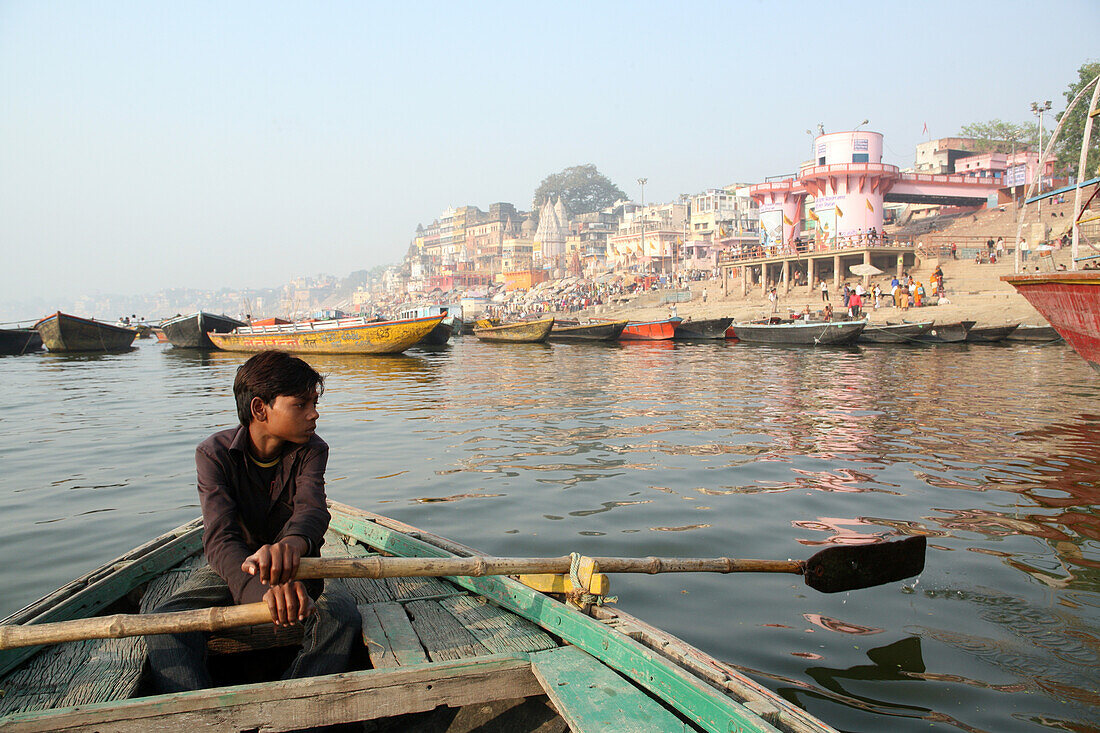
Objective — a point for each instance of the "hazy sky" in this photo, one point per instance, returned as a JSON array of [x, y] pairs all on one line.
[[148, 145]]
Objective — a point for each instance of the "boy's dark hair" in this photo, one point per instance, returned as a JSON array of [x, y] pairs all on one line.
[[269, 374]]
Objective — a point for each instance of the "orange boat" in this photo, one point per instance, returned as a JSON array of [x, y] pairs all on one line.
[[650, 330]]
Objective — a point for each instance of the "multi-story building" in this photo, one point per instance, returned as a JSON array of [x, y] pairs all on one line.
[[648, 237], [485, 235]]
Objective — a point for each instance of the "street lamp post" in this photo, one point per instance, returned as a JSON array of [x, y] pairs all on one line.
[[642, 182], [1038, 110]]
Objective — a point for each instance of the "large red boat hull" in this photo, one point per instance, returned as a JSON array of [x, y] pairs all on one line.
[[650, 330], [1070, 301]]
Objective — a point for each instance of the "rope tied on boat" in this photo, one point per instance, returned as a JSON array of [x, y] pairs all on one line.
[[581, 594]]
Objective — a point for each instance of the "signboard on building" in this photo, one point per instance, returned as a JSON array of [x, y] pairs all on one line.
[[771, 228]]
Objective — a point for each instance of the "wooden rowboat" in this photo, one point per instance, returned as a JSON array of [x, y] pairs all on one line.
[[990, 334], [650, 330], [524, 332], [946, 333], [71, 334], [14, 341], [337, 336], [894, 333], [491, 647], [1040, 334], [707, 328], [823, 333], [591, 331], [190, 331]]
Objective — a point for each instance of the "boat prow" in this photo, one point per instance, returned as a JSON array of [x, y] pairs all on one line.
[[1070, 301]]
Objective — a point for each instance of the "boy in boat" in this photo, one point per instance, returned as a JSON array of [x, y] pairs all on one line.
[[262, 491]]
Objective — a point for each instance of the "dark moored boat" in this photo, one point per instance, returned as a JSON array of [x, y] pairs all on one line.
[[64, 333], [650, 330], [1041, 334], [894, 333], [828, 333], [591, 331], [189, 332], [708, 328], [990, 334], [948, 333], [19, 340]]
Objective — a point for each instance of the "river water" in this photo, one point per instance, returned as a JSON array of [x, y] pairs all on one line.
[[659, 449]]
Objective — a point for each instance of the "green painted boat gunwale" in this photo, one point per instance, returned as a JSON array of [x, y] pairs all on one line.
[[696, 699]]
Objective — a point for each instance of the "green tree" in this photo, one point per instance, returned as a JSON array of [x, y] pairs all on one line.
[[583, 189], [1069, 142], [996, 136]]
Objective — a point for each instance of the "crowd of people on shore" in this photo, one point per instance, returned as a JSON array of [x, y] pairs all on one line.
[[903, 292]]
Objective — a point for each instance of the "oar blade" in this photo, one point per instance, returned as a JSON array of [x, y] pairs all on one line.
[[851, 567]]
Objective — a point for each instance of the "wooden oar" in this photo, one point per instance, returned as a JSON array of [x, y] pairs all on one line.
[[831, 570]]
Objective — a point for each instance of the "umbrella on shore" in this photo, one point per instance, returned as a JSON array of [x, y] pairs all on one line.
[[862, 269]]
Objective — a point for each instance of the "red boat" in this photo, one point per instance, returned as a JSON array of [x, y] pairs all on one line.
[[1071, 302], [650, 330]]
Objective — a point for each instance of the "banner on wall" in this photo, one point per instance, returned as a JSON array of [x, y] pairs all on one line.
[[771, 228]]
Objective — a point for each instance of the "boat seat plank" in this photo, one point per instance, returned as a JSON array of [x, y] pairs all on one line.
[[443, 636], [500, 631], [593, 698], [389, 636], [300, 704]]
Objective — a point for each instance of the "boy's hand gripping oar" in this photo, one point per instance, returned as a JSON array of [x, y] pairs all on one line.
[[832, 570]]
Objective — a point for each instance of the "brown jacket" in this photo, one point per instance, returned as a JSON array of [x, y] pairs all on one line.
[[239, 515]]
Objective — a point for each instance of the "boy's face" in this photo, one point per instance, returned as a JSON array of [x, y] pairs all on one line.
[[292, 418]]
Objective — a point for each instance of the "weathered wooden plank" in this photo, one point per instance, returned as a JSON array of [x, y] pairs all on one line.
[[83, 672], [389, 636], [363, 590], [498, 630], [408, 589], [705, 706], [594, 699], [441, 634], [298, 704], [98, 589]]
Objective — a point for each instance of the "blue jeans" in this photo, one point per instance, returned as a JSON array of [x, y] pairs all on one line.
[[178, 661]]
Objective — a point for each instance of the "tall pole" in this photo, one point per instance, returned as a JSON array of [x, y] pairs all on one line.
[[642, 182], [1038, 110], [1082, 171]]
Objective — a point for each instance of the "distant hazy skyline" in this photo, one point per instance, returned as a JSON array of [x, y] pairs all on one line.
[[153, 145]]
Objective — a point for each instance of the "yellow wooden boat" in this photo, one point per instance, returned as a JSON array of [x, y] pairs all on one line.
[[524, 332], [337, 336]]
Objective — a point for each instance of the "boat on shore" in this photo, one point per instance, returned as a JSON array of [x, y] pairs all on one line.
[[15, 341], [797, 333], [1070, 301], [1038, 334], [650, 330], [496, 651], [522, 332], [190, 331], [894, 333], [63, 333], [337, 336], [946, 333], [990, 334], [590, 331], [706, 328]]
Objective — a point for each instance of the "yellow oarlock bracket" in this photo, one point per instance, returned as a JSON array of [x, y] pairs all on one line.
[[599, 584]]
